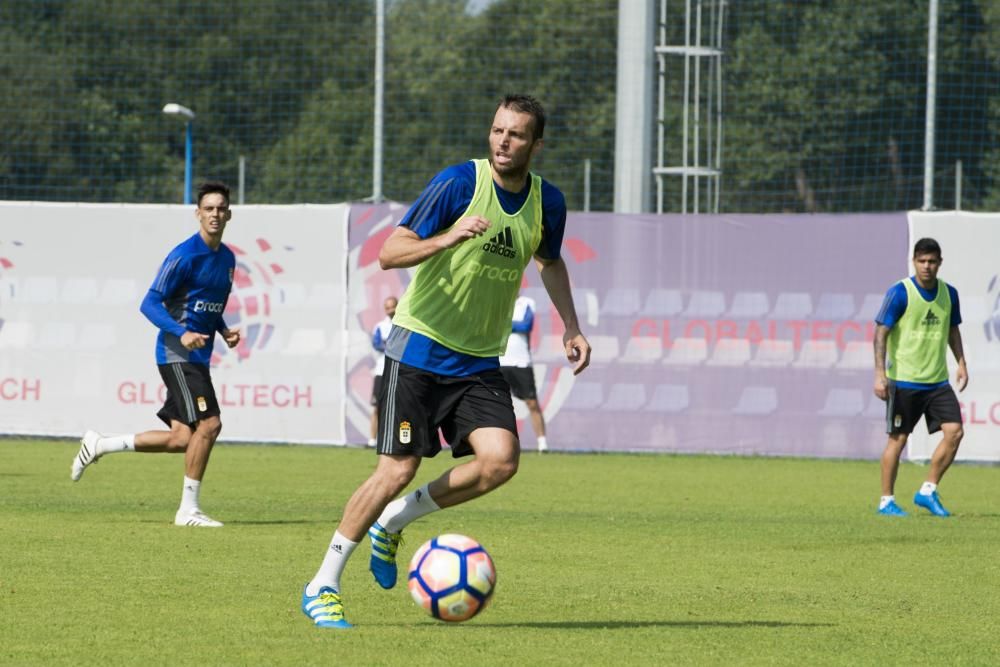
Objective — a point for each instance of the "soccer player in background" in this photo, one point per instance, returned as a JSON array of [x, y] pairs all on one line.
[[471, 234], [918, 322], [185, 302], [516, 367], [379, 335]]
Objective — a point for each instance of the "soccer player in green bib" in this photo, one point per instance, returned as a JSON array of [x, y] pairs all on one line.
[[471, 234], [917, 324]]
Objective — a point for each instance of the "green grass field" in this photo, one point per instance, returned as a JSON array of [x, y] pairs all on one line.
[[602, 560]]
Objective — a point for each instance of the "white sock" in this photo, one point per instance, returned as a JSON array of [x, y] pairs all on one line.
[[402, 511], [189, 497], [333, 565], [928, 488], [885, 500], [111, 444], [542, 444]]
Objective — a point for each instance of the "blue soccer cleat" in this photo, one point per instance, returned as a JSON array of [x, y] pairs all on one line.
[[892, 509], [932, 503], [383, 558], [326, 610]]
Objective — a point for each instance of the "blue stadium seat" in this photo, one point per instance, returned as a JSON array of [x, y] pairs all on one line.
[[621, 302], [834, 306], [705, 304], [670, 398], [662, 302], [870, 305], [792, 306], [843, 403], [756, 400], [585, 396], [626, 397], [749, 306]]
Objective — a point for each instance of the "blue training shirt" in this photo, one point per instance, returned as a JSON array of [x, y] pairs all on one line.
[[189, 294], [438, 207], [894, 305]]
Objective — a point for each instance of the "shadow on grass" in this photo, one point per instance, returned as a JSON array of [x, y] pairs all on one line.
[[631, 625]]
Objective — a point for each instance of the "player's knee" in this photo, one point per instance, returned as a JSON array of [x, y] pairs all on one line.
[[210, 427], [178, 441], [394, 479], [954, 433], [495, 473]]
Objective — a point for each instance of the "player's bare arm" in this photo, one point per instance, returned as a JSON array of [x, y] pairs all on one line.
[[404, 248], [555, 277], [955, 343], [881, 387]]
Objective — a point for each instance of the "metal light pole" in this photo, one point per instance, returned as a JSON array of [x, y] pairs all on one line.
[[174, 109]]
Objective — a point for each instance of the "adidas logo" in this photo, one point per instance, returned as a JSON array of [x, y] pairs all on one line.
[[502, 244], [930, 319]]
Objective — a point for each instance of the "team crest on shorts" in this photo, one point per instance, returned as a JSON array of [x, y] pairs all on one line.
[[404, 432], [202, 404], [897, 421]]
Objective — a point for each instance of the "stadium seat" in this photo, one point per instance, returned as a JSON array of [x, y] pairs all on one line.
[[585, 396], [643, 350], [773, 353], [870, 305], [626, 397], [662, 303], [730, 352], [621, 302], [550, 349], [37, 289], [705, 304], [835, 306], [757, 401], [670, 398], [749, 306], [687, 352], [16, 335], [586, 304], [843, 403], [817, 354], [858, 355], [875, 408], [79, 291], [119, 292], [99, 336], [57, 336], [604, 349], [792, 306]]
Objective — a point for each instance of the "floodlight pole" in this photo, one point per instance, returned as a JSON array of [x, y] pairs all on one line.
[[932, 30], [174, 109]]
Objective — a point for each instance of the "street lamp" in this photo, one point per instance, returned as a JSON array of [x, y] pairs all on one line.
[[174, 109]]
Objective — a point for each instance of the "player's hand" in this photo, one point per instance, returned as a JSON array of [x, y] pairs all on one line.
[[465, 229], [961, 377], [192, 340], [881, 387], [577, 351], [232, 337]]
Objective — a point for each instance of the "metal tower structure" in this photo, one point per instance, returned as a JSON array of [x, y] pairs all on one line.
[[700, 149]]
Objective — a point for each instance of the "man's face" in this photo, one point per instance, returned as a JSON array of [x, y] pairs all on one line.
[[213, 213], [925, 267], [390, 307], [512, 142]]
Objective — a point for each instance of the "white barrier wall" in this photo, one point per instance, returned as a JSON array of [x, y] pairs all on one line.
[[76, 353], [968, 247]]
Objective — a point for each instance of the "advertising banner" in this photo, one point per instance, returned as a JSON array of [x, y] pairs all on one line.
[[76, 353]]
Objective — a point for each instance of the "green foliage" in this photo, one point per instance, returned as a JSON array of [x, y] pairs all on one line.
[[823, 101], [601, 559]]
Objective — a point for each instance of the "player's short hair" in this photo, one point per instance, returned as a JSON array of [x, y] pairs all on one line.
[[526, 104], [926, 246], [208, 187]]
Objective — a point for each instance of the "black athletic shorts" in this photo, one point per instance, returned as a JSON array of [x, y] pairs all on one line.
[[190, 395], [905, 407], [415, 403], [521, 381], [376, 388]]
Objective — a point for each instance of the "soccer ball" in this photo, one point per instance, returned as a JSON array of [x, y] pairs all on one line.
[[452, 577]]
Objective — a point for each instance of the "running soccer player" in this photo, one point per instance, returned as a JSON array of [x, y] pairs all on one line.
[[516, 367], [471, 233], [917, 324], [185, 302], [380, 334]]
